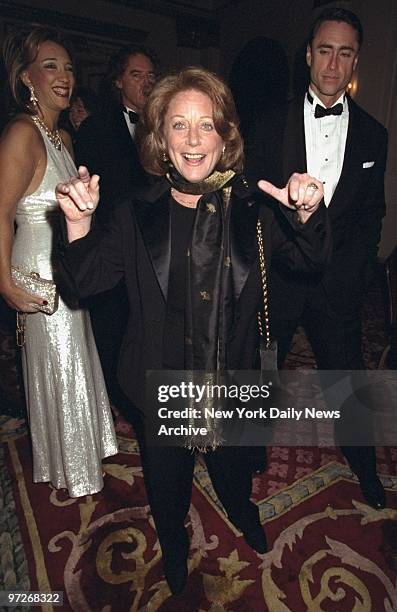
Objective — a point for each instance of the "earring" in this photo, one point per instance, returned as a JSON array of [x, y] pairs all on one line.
[[33, 97], [223, 149], [164, 157]]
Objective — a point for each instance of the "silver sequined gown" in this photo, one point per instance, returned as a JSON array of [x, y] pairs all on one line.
[[68, 408]]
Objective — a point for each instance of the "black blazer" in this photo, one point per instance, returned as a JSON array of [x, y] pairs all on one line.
[[105, 146], [136, 245], [276, 150]]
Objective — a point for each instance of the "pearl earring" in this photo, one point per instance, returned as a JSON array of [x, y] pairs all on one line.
[[33, 97]]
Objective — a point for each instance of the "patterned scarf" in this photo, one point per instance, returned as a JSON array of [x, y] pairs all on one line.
[[209, 295]]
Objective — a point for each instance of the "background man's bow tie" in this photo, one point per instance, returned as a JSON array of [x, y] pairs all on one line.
[[134, 117]]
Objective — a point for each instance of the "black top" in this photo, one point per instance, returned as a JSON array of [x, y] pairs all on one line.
[[182, 219], [136, 245]]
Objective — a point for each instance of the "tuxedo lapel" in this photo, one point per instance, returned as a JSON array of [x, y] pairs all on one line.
[[153, 217], [355, 144], [243, 250], [122, 133]]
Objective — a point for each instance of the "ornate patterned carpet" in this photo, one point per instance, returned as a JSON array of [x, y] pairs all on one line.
[[328, 551]]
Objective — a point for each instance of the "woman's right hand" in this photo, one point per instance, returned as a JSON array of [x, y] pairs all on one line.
[[79, 197]]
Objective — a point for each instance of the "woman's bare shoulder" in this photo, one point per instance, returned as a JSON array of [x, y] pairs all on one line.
[[21, 127], [21, 139]]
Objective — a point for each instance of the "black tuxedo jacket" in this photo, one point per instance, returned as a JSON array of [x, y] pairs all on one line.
[[276, 150], [105, 146], [136, 245]]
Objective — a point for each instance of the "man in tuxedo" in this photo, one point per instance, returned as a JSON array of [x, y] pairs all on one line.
[[328, 135], [106, 140], [106, 145]]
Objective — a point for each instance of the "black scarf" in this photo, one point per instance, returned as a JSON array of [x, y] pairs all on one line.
[[209, 294]]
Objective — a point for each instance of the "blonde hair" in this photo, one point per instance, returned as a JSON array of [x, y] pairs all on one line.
[[152, 141]]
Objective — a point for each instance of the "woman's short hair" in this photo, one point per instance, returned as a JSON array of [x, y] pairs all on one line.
[[20, 49], [152, 141]]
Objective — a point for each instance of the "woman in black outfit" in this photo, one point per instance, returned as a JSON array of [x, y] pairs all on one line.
[[187, 250]]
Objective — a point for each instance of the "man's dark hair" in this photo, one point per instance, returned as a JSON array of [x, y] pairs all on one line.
[[341, 15], [119, 60]]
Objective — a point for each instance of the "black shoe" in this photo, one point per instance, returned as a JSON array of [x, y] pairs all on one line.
[[255, 537], [373, 492], [176, 576]]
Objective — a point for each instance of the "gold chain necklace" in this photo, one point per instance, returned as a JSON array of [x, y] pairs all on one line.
[[53, 135], [189, 204]]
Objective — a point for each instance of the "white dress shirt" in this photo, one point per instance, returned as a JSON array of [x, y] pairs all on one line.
[[325, 143]]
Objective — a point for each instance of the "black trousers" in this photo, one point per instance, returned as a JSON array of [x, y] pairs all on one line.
[[168, 475], [336, 344]]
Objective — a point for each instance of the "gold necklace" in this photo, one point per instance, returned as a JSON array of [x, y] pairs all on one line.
[[53, 135], [188, 203]]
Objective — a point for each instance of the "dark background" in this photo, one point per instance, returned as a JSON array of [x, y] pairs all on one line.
[[258, 45]]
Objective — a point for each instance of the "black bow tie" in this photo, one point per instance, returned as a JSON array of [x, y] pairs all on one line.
[[321, 111], [134, 117]]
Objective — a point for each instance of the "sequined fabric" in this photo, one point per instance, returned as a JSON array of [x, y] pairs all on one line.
[[70, 419], [35, 285]]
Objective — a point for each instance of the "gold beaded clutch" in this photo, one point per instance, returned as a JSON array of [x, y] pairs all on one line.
[[32, 283]]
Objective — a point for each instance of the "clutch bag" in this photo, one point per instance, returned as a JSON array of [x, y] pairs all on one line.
[[32, 283]]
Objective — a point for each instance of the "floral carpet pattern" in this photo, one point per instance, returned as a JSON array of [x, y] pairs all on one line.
[[328, 550]]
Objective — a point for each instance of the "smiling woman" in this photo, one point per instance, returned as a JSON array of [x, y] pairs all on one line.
[[69, 414], [186, 247], [194, 145], [51, 77]]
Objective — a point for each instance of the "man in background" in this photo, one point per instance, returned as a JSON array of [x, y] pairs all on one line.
[[106, 141], [106, 145], [328, 135]]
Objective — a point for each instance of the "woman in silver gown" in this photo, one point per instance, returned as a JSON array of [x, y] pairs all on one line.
[[69, 415]]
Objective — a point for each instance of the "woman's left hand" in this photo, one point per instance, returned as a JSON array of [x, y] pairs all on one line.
[[302, 193]]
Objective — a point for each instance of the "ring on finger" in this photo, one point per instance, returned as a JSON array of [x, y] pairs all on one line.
[[312, 186]]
